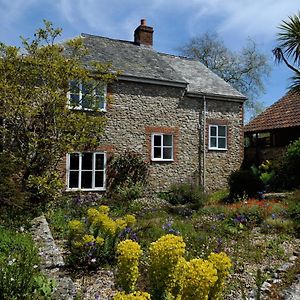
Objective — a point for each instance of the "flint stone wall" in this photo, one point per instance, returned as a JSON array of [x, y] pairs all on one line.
[[137, 110]]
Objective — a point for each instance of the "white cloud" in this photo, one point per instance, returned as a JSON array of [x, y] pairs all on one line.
[[118, 18], [11, 10]]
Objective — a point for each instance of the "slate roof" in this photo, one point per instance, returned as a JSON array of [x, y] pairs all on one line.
[[282, 114], [143, 62], [201, 79]]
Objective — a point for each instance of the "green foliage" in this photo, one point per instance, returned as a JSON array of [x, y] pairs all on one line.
[[243, 182], [277, 225], [44, 287], [10, 187], [292, 164], [126, 176], [94, 242], [288, 48], [186, 193], [129, 191], [267, 172], [39, 129], [18, 266], [293, 209], [218, 196]]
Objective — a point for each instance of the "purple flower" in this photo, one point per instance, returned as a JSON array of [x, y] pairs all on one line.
[[167, 226]]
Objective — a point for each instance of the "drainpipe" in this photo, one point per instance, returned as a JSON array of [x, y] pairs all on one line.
[[203, 144]]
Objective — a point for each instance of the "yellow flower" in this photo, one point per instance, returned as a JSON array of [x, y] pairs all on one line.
[[130, 220], [121, 224], [128, 254], [76, 226], [221, 262], [164, 256], [77, 244], [104, 209], [87, 238], [99, 241], [198, 278], [132, 296], [92, 213]]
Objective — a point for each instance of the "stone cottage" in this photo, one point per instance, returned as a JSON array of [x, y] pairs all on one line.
[[181, 117]]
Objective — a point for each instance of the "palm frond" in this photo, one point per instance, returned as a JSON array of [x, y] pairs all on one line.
[[289, 38], [295, 82]]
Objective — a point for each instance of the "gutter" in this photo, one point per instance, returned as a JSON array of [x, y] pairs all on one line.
[[217, 96], [179, 84]]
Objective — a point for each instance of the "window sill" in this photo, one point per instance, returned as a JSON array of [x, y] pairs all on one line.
[[86, 109], [161, 160], [218, 149], [86, 190]]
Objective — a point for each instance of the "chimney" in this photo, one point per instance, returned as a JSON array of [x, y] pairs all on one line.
[[143, 35]]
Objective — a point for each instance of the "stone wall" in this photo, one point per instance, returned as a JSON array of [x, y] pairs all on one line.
[[220, 163], [141, 109], [137, 110]]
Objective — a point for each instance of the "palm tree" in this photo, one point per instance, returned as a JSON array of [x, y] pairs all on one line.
[[289, 48]]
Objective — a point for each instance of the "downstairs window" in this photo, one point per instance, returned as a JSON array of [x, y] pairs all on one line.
[[86, 171]]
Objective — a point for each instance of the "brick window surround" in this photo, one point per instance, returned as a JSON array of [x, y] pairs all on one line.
[[174, 131]]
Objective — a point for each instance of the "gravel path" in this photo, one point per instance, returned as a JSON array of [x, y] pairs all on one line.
[[293, 293]]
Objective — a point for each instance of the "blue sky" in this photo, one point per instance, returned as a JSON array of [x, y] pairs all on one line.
[[174, 22]]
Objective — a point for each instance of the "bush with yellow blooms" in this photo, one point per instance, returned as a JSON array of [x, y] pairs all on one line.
[[93, 241]]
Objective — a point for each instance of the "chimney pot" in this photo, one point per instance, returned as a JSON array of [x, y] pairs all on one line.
[[143, 35]]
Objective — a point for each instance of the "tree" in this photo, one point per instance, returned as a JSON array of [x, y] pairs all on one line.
[[289, 48], [38, 127], [244, 70]]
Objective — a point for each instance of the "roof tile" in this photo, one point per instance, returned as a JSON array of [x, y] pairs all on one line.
[[282, 114]]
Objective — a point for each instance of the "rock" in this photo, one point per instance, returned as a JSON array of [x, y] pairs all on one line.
[[51, 260], [285, 267]]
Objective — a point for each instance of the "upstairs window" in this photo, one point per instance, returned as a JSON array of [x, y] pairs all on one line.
[[162, 147], [86, 171], [217, 137], [87, 96]]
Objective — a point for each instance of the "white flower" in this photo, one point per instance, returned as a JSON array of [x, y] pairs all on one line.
[[93, 260], [22, 229], [11, 262], [12, 279], [35, 266]]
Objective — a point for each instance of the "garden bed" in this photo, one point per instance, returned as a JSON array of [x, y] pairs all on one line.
[[258, 236]]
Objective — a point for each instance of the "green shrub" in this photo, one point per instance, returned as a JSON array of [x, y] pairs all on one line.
[[129, 191], [276, 224], [186, 193], [292, 163], [293, 209], [288, 168], [244, 182], [10, 185], [93, 242], [127, 167], [18, 265]]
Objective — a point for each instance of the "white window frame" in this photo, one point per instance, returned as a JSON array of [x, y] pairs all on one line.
[[80, 107], [162, 147], [80, 172], [210, 147]]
